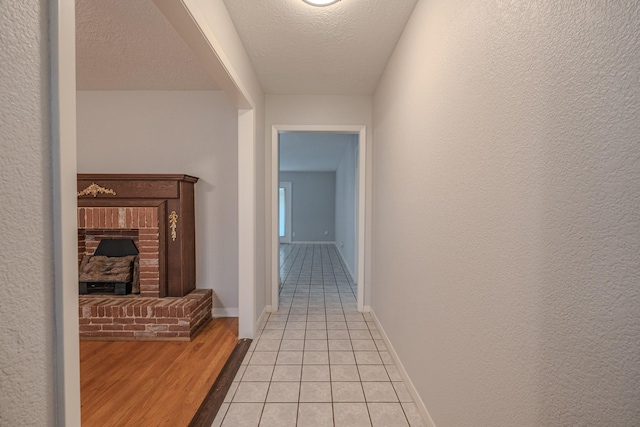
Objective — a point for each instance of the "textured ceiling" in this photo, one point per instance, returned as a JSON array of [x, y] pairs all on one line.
[[129, 45], [300, 49], [312, 151]]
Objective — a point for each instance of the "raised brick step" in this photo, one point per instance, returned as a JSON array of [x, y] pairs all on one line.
[[131, 317]]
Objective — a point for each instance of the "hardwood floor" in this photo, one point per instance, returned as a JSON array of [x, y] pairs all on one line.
[[152, 383]]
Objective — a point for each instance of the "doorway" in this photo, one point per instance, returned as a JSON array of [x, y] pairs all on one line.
[[357, 269]]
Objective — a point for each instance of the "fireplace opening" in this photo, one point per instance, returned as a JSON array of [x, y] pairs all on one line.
[[112, 269]]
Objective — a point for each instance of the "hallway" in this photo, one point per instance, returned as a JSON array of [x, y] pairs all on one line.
[[317, 361]]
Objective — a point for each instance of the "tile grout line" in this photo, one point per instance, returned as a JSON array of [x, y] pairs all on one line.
[[331, 295]]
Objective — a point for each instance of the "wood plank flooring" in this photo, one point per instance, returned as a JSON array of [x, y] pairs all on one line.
[[152, 383]]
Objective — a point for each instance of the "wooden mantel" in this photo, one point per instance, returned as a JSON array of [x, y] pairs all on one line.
[[173, 197]]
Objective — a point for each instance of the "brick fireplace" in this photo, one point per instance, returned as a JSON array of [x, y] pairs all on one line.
[[139, 224], [157, 213]]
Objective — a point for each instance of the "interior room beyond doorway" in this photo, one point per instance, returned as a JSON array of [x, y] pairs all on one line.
[[318, 194]]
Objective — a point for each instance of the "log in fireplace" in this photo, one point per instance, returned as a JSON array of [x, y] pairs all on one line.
[[114, 268]]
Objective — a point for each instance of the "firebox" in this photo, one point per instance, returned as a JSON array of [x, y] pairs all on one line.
[[114, 268]]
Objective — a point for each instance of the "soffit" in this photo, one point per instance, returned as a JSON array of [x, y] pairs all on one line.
[[130, 45], [296, 48], [313, 151]]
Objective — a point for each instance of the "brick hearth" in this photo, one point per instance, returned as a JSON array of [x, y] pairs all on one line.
[[139, 318]]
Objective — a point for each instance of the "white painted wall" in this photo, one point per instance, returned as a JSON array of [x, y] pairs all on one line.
[[311, 151], [507, 211], [320, 110], [313, 199], [27, 355], [345, 213], [217, 18], [192, 132]]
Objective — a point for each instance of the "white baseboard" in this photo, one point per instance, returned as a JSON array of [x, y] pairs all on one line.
[[263, 317], [344, 262], [224, 312], [422, 409], [328, 242]]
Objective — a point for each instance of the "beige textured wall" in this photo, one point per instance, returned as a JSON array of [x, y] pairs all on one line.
[[507, 210], [26, 261]]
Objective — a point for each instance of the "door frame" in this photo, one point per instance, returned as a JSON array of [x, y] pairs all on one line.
[[62, 33], [361, 131]]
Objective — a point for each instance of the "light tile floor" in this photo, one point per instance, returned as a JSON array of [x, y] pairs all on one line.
[[317, 361]]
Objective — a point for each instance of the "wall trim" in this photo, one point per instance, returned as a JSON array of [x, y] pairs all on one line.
[[247, 223], [344, 262], [263, 317], [62, 57], [224, 312], [314, 242], [422, 409]]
